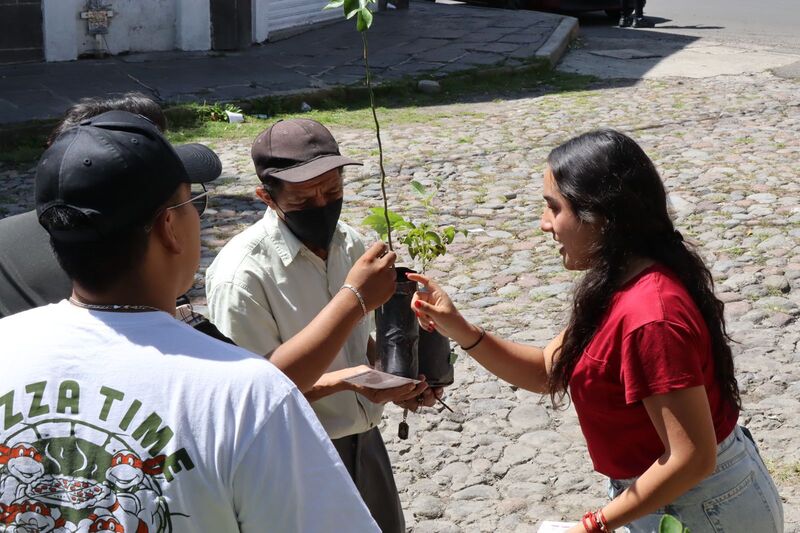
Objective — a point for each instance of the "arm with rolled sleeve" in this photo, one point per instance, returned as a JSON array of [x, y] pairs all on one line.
[[291, 478], [240, 316]]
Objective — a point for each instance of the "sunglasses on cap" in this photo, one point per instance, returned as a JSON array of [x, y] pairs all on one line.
[[199, 199]]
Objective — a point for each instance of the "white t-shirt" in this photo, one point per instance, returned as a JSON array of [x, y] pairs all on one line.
[[265, 286], [135, 419]]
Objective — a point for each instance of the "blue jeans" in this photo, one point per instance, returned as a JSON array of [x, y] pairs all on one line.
[[738, 497]]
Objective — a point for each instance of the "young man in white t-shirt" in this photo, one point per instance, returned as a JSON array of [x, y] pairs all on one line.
[[116, 416]]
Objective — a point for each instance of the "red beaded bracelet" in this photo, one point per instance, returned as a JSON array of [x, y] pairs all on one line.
[[594, 522], [590, 523], [601, 519]]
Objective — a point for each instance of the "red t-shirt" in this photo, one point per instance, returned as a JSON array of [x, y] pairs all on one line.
[[652, 341]]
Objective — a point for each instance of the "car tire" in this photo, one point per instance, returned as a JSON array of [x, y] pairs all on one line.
[[514, 4]]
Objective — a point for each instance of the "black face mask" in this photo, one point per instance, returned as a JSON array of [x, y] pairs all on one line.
[[315, 226]]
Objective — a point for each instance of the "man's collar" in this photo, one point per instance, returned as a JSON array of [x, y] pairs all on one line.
[[285, 242]]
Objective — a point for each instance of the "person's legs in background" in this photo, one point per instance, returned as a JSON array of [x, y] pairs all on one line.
[[625, 11], [638, 20]]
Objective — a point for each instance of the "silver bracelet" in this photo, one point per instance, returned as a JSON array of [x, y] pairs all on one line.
[[358, 295]]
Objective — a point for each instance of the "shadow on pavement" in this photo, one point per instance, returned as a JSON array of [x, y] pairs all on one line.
[[607, 51]]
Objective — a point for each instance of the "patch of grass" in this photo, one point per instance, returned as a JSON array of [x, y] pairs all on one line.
[[344, 107], [480, 198], [744, 140], [774, 291], [355, 119], [348, 106], [219, 182], [22, 144], [28, 150], [785, 474], [734, 251]]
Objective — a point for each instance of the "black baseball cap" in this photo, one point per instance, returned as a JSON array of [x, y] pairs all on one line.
[[296, 150], [117, 169]]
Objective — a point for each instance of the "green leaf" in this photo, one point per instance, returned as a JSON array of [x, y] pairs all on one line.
[[453, 357], [364, 20], [433, 237], [419, 188], [377, 222], [670, 524], [449, 233], [398, 221], [334, 4], [351, 7]]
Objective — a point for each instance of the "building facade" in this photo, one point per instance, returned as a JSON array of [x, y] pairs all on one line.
[[63, 30]]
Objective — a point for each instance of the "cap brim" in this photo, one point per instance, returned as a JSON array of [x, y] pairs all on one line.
[[201, 163], [312, 169]]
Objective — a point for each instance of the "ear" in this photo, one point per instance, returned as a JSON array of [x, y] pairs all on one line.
[[165, 230], [264, 196]]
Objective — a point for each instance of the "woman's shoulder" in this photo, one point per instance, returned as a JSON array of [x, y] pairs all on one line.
[[655, 294]]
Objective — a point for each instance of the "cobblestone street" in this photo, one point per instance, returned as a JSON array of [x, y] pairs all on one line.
[[729, 152]]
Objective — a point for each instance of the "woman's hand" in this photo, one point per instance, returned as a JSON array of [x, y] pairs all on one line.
[[435, 310]]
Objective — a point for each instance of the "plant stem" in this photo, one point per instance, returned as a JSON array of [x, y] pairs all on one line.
[[380, 146]]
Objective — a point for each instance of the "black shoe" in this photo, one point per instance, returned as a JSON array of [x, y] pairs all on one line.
[[625, 22], [641, 22]]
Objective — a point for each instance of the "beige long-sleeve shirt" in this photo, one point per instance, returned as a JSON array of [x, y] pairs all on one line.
[[265, 286]]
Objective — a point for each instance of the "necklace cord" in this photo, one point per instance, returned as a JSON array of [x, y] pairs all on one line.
[[113, 308]]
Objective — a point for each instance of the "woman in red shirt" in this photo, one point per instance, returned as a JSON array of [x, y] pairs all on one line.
[[645, 355]]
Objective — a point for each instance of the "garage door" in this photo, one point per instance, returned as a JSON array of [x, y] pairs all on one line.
[[21, 31], [231, 22]]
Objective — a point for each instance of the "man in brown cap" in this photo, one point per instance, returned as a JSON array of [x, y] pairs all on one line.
[[269, 281]]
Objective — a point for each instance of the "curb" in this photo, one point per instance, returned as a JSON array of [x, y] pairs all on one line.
[[555, 46]]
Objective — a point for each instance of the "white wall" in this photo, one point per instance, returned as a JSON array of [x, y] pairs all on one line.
[[63, 29], [137, 26], [260, 20]]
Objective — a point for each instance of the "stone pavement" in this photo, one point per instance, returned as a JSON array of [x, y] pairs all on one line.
[[728, 151], [427, 38]]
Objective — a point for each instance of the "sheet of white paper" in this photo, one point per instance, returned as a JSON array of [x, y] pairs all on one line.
[[375, 379], [555, 527]]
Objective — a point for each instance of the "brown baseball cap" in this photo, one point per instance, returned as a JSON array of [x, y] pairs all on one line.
[[296, 150]]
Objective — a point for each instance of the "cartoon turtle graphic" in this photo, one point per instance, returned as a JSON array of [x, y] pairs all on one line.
[[65, 476]]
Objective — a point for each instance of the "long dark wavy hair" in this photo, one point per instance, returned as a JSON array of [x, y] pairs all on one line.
[[605, 176]]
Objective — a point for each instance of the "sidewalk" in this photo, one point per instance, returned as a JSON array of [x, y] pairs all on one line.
[[426, 38]]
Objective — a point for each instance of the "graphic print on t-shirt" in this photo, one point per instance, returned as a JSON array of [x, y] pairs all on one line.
[[66, 469]]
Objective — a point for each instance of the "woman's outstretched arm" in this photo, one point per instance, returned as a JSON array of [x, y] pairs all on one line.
[[519, 364]]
